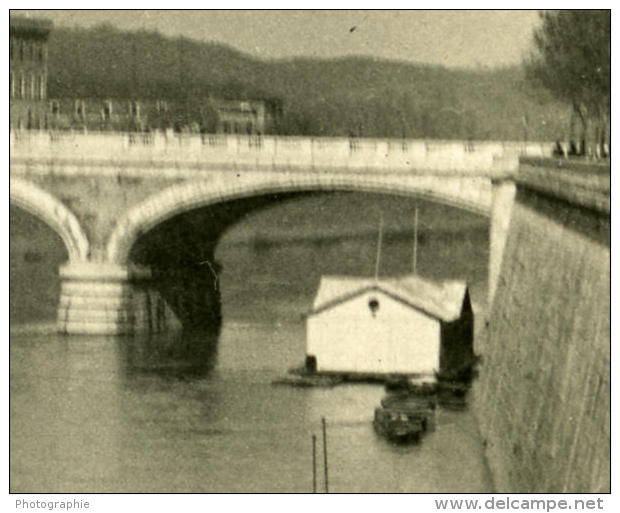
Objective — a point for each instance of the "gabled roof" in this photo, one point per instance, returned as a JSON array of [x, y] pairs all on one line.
[[442, 300]]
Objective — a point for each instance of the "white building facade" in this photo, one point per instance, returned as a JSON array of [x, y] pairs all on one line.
[[392, 326]]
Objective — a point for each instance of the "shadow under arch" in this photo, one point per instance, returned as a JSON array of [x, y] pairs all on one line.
[[193, 195], [180, 248]]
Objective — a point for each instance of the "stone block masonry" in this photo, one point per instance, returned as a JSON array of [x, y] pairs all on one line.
[[544, 400], [105, 299], [104, 192]]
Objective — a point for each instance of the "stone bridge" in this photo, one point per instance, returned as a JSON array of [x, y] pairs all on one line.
[[111, 197], [543, 395]]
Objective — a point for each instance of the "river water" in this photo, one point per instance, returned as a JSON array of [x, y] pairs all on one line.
[[199, 413], [101, 415]]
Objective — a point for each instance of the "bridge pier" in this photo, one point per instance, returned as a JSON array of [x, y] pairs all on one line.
[[106, 194], [192, 292], [98, 298]]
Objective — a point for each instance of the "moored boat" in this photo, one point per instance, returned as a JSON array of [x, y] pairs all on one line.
[[399, 426], [404, 418], [453, 397], [412, 385], [308, 380], [406, 401]]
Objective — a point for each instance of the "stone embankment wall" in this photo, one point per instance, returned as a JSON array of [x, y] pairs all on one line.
[[544, 392]]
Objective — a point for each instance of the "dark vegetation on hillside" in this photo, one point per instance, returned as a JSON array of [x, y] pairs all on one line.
[[357, 96]]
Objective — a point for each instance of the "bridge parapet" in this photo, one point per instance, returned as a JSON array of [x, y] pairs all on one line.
[[102, 215], [579, 182], [273, 152]]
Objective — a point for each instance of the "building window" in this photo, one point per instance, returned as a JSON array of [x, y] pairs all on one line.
[[79, 109], [54, 108], [19, 86], [43, 92], [26, 52], [40, 51], [373, 305], [25, 87], [107, 110], [32, 90], [38, 88], [134, 109], [161, 106]]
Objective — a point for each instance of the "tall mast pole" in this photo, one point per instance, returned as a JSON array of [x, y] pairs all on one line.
[[379, 242], [323, 422], [415, 240], [313, 463]]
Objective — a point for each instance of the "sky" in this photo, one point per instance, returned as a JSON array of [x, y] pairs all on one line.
[[450, 38]]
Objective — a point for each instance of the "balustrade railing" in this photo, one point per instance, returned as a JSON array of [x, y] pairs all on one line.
[[336, 152]]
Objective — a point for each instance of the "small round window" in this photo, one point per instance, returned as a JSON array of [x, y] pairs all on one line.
[[373, 304]]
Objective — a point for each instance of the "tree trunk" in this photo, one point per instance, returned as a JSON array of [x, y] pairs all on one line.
[[579, 110]]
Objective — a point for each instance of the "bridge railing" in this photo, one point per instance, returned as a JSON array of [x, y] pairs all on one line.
[[273, 151]]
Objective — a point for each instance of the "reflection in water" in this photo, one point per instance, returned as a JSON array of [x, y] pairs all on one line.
[[191, 412], [181, 355], [166, 414]]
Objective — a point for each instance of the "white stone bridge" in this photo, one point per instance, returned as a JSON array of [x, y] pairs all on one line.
[[105, 194]]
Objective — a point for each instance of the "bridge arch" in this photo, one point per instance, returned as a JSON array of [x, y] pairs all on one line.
[[472, 194], [52, 212]]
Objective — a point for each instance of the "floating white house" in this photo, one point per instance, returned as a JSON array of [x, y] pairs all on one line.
[[406, 325]]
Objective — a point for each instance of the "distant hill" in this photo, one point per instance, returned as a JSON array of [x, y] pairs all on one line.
[[353, 96]]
